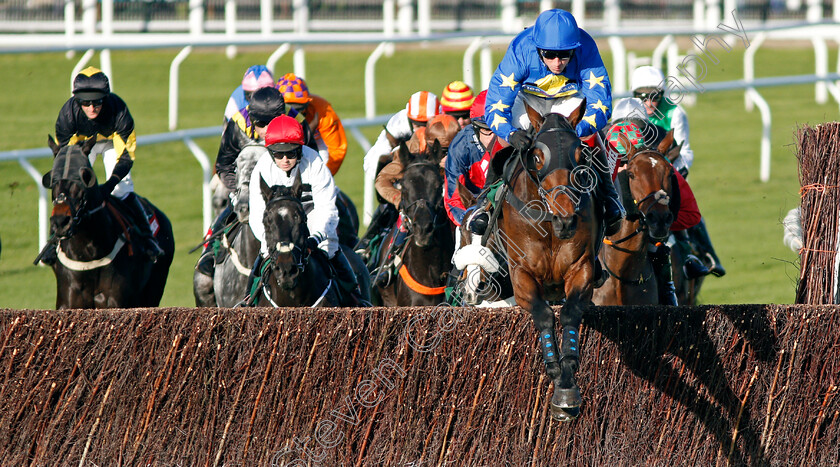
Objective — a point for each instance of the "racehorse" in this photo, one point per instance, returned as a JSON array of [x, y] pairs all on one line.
[[294, 275], [649, 217], [550, 229], [423, 263], [238, 247], [98, 261]]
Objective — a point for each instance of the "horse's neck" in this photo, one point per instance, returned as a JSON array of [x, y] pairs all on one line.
[[631, 256], [94, 236], [430, 263]]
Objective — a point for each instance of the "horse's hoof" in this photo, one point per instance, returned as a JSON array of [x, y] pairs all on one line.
[[562, 414], [565, 404]]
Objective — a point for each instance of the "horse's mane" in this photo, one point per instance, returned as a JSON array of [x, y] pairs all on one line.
[[245, 162]]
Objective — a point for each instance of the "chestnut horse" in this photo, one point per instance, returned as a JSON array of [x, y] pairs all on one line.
[[551, 232], [98, 264], [631, 278], [423, 265]]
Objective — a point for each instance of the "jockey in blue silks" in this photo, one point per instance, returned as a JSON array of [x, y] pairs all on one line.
[[553, 66]]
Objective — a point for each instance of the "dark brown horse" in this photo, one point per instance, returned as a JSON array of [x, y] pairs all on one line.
[[99, 265], [631, 278], [294, 275], [423, 265], [550, 230]]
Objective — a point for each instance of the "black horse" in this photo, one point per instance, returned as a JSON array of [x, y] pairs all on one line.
[[294, 275], [424, 263], [99, 265]]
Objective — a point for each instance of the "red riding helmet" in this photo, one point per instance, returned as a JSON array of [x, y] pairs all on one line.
[[283, 134], [456, 97]]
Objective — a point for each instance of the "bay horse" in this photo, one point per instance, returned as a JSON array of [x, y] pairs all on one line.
[[293, 275], [551, 234], [98, 261], [424, 262], [238, 247], [649, 176]]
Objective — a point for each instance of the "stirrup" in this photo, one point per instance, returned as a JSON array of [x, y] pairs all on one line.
[[715, 268]]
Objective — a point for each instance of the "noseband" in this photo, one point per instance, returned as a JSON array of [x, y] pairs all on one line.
[[409, 212], [299, 255]]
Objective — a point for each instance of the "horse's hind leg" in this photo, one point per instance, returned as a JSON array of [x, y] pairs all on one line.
[[561, 363]]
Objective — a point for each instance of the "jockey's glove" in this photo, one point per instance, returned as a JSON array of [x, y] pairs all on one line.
[[109, 185], [520, 140], [312, 242], [233, 198]]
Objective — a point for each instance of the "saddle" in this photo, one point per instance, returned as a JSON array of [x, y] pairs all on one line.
[[127, 218]]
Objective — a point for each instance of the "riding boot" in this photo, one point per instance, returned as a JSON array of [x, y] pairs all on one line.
[[477, 217], [150, 245], [660, 259], [386, 273], [606, 192], [700, 235], [693, 268], [346, 278], [251, 283]]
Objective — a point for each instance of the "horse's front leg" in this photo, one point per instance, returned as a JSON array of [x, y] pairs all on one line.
[[561, 363]]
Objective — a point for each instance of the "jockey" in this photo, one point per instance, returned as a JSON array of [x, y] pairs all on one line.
[[468, 160], [256, 77], [327, 129], [553, 66], [456, 100], [95, 112], [422, 106], [285, 159], [687, 212], [246, 128], [649, 86], [441, 128]]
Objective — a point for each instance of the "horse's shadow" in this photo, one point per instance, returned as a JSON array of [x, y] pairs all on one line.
[[647, 336]]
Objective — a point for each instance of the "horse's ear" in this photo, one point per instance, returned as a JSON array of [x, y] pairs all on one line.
[[53, 144], [467, 198], [297, 186], [436, 152], [88, 176], [265, 189], [46, 180], [577, 114], [535, 117], [666, 142], [403, 155], [87, 146], [673, 153]]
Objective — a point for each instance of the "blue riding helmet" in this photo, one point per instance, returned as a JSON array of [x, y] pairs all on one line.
[[556, 30]]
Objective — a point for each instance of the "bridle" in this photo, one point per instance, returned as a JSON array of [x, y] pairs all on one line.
[[547, 197], [659, 196], [300, 256], [78, 208], [409, 212]]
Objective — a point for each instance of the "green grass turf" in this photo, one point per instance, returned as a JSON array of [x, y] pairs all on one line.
[[742, 213]]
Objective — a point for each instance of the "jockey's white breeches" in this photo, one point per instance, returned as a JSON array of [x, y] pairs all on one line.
[[109, 157]]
